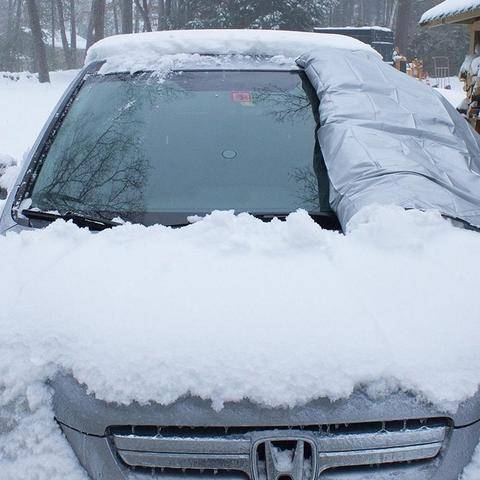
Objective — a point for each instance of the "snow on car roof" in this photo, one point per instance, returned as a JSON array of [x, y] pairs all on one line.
[[144, 50], [373, 27], [449, 8]]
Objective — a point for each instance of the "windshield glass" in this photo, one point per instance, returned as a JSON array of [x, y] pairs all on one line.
[[157, 150]]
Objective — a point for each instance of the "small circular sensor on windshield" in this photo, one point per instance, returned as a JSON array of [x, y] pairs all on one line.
[[229, 154]]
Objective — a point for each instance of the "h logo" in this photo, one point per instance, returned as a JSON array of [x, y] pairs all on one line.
[[287, 458]]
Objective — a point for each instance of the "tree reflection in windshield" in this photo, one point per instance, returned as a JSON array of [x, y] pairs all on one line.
[[300, 104], [98, 167]]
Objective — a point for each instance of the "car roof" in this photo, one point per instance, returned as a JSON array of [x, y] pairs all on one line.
[[164, 50]]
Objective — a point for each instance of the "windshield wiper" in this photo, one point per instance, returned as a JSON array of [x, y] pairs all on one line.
[[80, 219]]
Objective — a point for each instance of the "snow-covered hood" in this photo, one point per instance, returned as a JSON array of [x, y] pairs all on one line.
[[151, 314], [232, 308]]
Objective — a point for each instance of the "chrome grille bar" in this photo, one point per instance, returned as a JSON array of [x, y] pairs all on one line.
[[370, 441], [378, 456], [186, 461], [232, 452], [183, 445]]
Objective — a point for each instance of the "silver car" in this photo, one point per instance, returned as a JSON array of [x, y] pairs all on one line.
[[237, 135]]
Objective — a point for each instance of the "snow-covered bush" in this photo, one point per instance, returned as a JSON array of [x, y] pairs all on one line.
[[7, 173]]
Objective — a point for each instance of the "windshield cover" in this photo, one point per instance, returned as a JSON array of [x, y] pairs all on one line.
[[157, 150]]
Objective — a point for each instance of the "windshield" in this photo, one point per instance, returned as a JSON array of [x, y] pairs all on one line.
[[158, 150]]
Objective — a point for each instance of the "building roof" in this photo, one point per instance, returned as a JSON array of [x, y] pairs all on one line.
[[452, 11]]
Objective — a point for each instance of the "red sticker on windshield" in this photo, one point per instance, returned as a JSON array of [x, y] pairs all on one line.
[[241, 97]]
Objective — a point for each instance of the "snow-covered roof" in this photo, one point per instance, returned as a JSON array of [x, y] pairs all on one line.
[[81, 42], [451, 11], [122, 50], [47, 37]]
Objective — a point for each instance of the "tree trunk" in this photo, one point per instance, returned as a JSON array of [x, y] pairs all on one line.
[[401, 25], [168, 9], [143, 9], [73, 33], [96, 25], [393, 12], [115, 17], [136, 21], [52, 8], [65, 46], [38, 45], [161, 15], [126, 8]]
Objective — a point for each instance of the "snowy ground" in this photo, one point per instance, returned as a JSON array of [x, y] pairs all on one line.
[[25, 105], [455, 95], [388, 255]]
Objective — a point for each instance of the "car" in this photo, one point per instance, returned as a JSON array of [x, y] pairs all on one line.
[[217, 130]]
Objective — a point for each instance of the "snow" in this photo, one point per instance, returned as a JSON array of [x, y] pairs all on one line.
[[449, 8], [456, 94], [47, 37], [81, 42], [373, 27], [472, 471], [455, 97], [232, 295], [26, 105], [144, 50]]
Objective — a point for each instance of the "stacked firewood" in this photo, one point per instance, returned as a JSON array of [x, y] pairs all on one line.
[[415, 69], [469, 74]]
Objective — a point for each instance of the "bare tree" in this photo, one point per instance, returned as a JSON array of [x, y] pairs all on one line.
[[63, 33], [168, 8], [96, 25], [161, 15], [136, 20], [38, 45], [393, 12], [402, 23], [73, 32], [126, 9], [143, 9], [115, 17], [52, 18]]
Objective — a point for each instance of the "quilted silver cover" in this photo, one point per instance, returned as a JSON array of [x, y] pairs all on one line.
[[390, 139]]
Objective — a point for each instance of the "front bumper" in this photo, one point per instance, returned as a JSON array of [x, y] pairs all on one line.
[[98, 457], [395, 437]]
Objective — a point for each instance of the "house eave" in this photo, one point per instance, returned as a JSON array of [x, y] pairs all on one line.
[[460, 18]]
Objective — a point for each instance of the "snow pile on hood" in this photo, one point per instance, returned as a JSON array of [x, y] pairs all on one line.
[[449, 8], [233, 294], [156, 313], [143, 51]]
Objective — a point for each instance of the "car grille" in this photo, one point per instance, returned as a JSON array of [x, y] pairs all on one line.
[[215, 450]]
